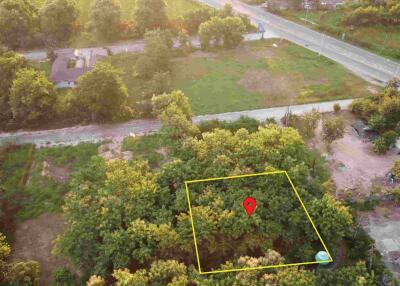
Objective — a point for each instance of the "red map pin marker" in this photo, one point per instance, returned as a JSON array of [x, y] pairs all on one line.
[[249, 205]]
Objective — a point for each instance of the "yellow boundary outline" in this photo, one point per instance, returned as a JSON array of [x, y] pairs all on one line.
[[259, 267]]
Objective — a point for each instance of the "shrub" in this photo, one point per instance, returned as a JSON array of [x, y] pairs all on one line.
[[390, 138], [63, 277], [333, 129], [380, 146], [377, 122], [396, 169], [336, 107]]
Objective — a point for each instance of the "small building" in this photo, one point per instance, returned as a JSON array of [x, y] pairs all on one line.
[[71, 64]]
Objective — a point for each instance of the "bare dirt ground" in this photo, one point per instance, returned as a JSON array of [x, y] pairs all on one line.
[[383, 225], [353, 164], [277, 88], [59, 174], [34, 242], [113, 150]]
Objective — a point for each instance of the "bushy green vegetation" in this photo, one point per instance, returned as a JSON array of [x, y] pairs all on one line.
[[382, 112], [15, 163], [140, 216], [37, 181]]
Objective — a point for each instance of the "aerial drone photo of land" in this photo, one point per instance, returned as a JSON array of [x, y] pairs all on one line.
[[199, 142]]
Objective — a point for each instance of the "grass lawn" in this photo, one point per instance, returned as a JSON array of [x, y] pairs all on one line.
[[44, 66], [145, 148], [38, 189], [258, 75], [383, 40], [255, 75]]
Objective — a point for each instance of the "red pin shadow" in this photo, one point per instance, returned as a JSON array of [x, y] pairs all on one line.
[[249, 205]]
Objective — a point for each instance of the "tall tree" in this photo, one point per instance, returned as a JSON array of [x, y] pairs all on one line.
[[57, 19], [175, 113], [150, 15], [10, 63], [229, 30], [105, 19], [102, 94], [32, 97], [331, 217], [18, 21]]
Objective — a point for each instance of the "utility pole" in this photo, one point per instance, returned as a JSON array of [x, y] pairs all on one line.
[[322, 44], [307, 14], [396, 73]]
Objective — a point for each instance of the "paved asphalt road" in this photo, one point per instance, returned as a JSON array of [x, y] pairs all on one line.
[[369, 66], [95, 133]]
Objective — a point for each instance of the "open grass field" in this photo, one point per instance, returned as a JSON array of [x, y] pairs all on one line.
[[383, 40], [176, 8], [255, 75], [37, 180]]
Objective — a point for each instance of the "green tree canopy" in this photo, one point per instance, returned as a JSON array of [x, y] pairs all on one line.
[[32, 97], [175, 113], [229, 30], [18, 22], [10, 63], [102, 95], [150, 15], [57, 19], [105, 19]]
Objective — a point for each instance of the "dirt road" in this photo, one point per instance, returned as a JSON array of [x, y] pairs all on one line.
[[118, 131]]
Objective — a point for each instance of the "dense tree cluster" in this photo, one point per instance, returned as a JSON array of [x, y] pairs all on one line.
[[101, 95], [123, 217], [18, 22], [58, 20], [22, 25], [105, 18], [26, 95], [363, 13], [226, 31], [382, 111], [150, 15]]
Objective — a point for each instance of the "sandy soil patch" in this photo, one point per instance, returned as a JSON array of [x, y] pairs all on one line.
[[276, 88], [352, 162], [59, 174], [245, 53], [113, 150], [33, 241]]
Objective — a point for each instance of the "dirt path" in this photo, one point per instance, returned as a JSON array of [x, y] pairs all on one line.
[[33, 241], [118, 131]]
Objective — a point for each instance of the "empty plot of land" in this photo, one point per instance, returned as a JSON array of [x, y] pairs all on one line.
[[262, 74]]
